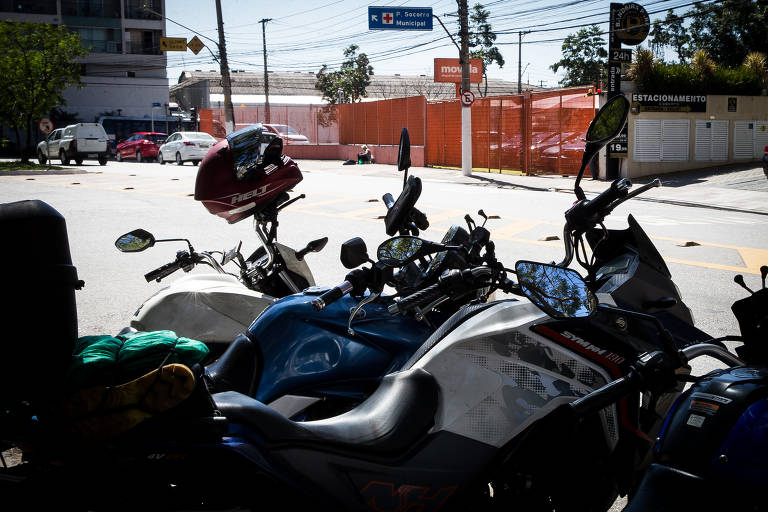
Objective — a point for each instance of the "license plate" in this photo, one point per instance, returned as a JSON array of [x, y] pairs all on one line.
[[92, 155], [203, 145]]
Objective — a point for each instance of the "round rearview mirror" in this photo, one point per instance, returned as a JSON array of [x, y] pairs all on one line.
[[399, 250], [559, 292], [135, 241], [609, 120]]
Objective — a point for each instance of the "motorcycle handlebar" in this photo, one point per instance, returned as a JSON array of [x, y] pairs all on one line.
[[606, 395], [455, 281], [648, 371], [332, 295], [428, 294], [618, 190], [162, 272]]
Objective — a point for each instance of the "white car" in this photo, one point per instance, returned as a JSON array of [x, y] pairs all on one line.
[[183, 147], [75, 142], [287, 133]]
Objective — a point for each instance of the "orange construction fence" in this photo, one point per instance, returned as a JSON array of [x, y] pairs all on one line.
[[534, 132]]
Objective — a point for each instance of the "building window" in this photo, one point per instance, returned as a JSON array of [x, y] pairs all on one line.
[[135, 9], [29, 6], [91, 8], [146, 42], [99, 40]]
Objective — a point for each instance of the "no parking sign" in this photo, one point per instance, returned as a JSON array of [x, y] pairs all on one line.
[[45, 125], [467, 98]]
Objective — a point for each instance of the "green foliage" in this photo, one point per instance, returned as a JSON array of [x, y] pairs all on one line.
[[584, 56], [352, 79], [37, 63], [703, 76], [481, 39], [729, 30], [671, 32]]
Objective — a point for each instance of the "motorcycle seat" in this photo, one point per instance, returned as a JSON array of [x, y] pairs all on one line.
[[397, 414]]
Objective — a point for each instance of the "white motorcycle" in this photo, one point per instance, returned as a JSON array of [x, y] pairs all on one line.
[[215, 307]]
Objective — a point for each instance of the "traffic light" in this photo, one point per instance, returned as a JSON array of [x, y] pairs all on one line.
[[592, 92], [193, 113]]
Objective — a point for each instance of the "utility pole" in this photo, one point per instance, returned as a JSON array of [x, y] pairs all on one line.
[[466, 110], [266, 76], [520, 61], [229, 113]]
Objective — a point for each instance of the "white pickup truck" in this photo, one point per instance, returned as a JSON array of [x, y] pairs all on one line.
[[75, 142]]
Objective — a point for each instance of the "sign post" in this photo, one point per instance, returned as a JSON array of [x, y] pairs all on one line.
[[629, 24]]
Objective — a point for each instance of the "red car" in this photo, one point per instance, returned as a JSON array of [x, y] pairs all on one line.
[[140, 145]]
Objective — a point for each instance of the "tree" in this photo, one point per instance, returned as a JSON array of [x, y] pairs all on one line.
[[729, 30], [38, 63], [671, 32], [583, 59], [352, 79], [481, 38]]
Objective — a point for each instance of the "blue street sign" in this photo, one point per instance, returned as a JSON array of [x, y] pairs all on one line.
[[156, 105], [399, 18]]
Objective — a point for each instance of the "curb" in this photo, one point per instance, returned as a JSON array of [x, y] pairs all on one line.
[[39, 172]]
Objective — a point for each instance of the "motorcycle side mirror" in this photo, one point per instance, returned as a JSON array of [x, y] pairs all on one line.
[[606, 125], [313, 246], [353, 253], [559, 292], [399, 250], [135, 241]]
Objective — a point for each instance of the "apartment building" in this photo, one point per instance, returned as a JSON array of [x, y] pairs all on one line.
[[125, 69]]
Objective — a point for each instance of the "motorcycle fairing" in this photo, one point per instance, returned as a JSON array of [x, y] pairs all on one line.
[[497, 377]]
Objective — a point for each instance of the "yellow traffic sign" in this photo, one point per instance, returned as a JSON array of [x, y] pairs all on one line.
[[195, 45], [173, 44]]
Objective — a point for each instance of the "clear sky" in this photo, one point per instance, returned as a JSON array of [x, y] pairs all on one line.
[[305, 34]]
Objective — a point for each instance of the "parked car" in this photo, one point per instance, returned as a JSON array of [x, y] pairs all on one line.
[[185, 147], [49, 148], [75, 142], [287, 133], [765, 161], [140, 145]]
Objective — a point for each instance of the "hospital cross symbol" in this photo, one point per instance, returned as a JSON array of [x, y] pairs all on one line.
[[386, 18]]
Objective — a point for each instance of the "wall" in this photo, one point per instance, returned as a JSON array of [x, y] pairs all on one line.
[[342, 152], [748, 108]]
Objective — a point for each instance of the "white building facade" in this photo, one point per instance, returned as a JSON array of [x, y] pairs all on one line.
[[125, 71]]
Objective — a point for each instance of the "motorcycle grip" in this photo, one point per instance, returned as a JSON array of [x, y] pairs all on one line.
[[606, 395], [617, 190], [426, 295], [332, 295], [164, 271]]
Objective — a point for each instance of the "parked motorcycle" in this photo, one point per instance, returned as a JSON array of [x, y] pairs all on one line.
[[714, 438], [320, 352], [479, 416], [215, 308]]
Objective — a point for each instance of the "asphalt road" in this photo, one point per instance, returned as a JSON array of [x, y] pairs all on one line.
[[703, 248]]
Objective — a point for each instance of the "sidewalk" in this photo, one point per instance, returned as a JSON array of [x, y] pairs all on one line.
[[740, 187]]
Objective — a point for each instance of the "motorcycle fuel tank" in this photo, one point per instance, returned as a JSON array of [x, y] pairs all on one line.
[[212, 308], [303, 348]]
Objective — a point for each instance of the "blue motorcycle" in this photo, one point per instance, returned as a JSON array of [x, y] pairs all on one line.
[[305, 361]]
